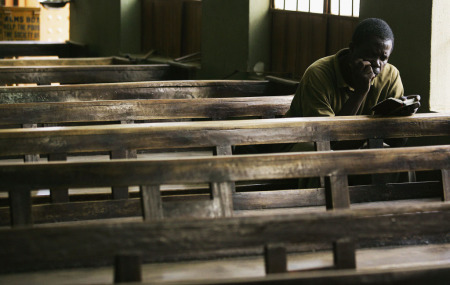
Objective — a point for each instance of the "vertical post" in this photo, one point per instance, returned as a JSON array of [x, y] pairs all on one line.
[[222, 192], [222, 198], [275, 259], [127, 268], [20, 207], [337, 195], [122, 192], [152, 209], [30, 157], [344, 254], [446, 184], [323, 146], [58, 195], [378, 178]]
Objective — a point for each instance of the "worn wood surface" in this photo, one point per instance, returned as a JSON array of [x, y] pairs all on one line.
[[64, 61], [93, 207], [211, 134], [98, 243], [221, 168], [155, 109], [45, 75], [144, 90], [430, 274], [37, 48]]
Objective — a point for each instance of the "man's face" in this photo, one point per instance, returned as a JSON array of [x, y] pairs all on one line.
[[375, 50]]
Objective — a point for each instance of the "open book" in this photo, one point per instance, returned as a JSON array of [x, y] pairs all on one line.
[[394, 106]]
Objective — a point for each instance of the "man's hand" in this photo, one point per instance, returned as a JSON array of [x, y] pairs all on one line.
[[362, 76], [410, 108]]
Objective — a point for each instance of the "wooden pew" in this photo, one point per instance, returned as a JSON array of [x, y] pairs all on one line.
[[82, 74], [40, 247], [134, 110], [146, 90], [36, 61], [22, 141], [222, 135], [37, 48]]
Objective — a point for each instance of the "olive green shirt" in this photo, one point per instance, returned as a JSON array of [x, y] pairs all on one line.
[[322, 90]]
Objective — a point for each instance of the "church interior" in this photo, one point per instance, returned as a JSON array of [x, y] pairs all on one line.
[[144, 142]]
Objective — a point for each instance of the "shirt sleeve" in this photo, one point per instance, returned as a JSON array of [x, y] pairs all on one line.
[[311, 99]]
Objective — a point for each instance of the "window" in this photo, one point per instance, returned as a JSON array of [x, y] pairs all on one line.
[[334, 7]]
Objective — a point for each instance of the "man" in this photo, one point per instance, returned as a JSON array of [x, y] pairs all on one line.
[[352, 81], [349, 83]]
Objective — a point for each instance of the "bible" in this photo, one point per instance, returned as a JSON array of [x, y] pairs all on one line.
[[394, 106]]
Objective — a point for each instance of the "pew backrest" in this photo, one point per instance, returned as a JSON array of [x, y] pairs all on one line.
[[45, 75], [145, 90], [154, 109], [37, 48]]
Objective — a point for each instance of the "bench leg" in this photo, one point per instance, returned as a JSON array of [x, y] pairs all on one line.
[[58, 195], [275, 259], [344, 254], [151, 203], [121, 192], [322, 146], [446, 184], [337, 195], [127, 268], [20, 207], [222, 198]]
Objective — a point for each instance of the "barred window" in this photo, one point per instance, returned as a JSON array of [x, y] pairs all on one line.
[[334, 7]]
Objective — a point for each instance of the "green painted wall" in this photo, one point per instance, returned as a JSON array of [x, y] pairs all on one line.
[[411, 23], [108, 27], [235, 35]]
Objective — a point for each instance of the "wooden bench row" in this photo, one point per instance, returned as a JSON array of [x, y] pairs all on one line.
[[147, 90], [152, 109], [46, 75], [52, 247], [222, 135], [37, 61], [36, 48]]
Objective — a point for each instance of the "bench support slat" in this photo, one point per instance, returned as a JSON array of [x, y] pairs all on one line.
[[322, 146], [336, 192], [222, 198], [127, 268], [20, 207], [151, 203], [58, 195], [344, 254], [275, 259], [446, 184]]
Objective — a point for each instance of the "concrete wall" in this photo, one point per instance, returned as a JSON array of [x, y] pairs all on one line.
[[108, 27], [411, 23], [235, 36], [440, 57]]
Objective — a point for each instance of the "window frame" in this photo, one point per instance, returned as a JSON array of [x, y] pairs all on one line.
[[326, 8]]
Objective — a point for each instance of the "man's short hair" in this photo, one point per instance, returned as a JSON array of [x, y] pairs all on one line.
[[372, 27]]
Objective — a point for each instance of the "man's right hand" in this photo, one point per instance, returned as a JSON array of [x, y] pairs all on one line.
[[362, 76]]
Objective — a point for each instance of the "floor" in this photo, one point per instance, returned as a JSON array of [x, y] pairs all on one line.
[[393, 257]]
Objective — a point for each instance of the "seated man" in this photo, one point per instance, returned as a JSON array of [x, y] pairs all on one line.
[[350, 82]]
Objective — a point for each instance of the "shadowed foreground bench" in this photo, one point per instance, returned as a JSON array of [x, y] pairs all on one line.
[[221, 136]]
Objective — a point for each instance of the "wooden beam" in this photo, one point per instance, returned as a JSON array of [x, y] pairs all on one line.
[[138, 90], [86, 74], [209, 134], [221, 168], [97, 243], [125, 110]]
